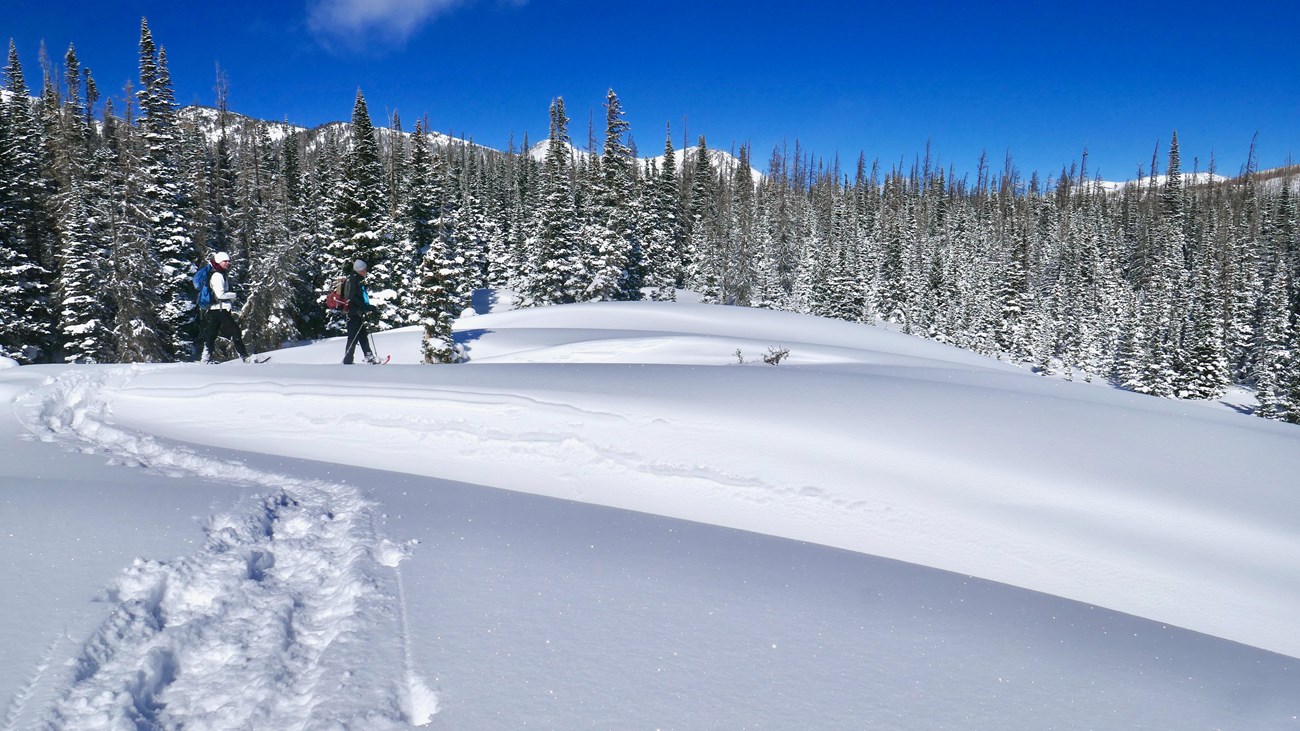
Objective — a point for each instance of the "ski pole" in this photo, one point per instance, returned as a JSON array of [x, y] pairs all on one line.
[[352, 341]]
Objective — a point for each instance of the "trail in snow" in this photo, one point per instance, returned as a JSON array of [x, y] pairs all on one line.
[[23, 696], [289, 617]]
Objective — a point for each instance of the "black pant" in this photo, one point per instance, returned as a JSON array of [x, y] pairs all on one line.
[[222, 322], [357, 334]]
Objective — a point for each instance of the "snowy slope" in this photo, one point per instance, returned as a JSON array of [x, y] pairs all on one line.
[[879, 532]]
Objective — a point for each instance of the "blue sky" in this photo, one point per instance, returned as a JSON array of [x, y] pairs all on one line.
[[1042, 80]]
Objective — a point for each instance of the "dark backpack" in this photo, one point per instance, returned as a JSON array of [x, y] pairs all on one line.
[[202, 282]]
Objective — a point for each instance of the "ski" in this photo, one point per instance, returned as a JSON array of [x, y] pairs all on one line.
[[384, 361], [261, 358]]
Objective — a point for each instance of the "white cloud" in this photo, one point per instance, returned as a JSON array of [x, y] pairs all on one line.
[[353, 21]]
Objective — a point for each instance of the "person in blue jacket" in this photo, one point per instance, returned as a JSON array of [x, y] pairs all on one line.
[[354, 291]]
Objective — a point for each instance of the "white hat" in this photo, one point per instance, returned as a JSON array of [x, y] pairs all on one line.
[[358, 266], [220, 257]]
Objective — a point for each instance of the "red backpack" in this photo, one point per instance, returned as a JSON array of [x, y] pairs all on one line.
[[334, 300]]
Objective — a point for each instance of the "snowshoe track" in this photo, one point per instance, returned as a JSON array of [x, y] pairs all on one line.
[[289, 616]]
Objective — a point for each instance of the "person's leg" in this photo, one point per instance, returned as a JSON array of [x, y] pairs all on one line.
[[363, 338], [209, 335], [354, 330], [230, 329]]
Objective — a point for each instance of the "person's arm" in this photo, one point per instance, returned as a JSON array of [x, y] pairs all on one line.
[[352, 293], [219, 290]]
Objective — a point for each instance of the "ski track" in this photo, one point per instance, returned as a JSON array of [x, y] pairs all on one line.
[[23, 696], [291, 616]]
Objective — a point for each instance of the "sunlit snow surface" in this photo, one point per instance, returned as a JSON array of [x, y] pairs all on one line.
[[606, 521]]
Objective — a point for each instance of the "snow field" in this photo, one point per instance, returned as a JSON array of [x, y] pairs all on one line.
[[576, 596], [246, 632]]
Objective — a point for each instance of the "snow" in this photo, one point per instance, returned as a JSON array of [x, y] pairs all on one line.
[[604, 520]]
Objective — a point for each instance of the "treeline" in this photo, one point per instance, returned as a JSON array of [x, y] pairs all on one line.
[[1170, 286]]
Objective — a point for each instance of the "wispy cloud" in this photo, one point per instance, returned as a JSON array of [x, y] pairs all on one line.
[[356, 22]]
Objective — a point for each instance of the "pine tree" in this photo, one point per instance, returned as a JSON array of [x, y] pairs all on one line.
[[1271, 357], [163, 210], [441, 286], [616, 267], [416, 224], [703, 259], [738, 271], [24, 282], [1207, 372], [440, 303], [362, 227], [270, 314], [84, 309], [557, 273], [137, 333], [662, 241], [1290, 382]]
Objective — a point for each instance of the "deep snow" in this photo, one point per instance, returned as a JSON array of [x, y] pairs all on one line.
[[603, 520]]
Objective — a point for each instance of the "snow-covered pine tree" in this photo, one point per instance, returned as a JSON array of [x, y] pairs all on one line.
[[134, 273], [702, 260], [362, 226], [438, 292], [662, 238], [493, 223], [416, 226], [84, 313], [1271, 357], [615, 267], [557, 274], [323, 173], [441, 286], [270, 313], [471, 220], [739, 257], [24, 310], [163, 210], [1207, 372]]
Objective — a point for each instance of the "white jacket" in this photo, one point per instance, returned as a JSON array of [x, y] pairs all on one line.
[[222, 299]]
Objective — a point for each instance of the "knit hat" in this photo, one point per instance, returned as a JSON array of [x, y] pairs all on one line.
[[358, 266]]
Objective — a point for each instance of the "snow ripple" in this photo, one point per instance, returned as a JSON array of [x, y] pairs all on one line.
[[291, 616]]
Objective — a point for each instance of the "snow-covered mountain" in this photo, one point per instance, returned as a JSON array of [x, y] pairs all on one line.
[[1270, 180], [606, 520], [208, 121], [1159, 180], [720, 159]]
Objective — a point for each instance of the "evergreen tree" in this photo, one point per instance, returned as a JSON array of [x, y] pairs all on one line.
[[417, 226], [557, 274], [1207, 371], [24, 280], [1272, 358], [616, 267], [441, 303], [703, 259], [84, 309], [163, 210], [362, 226], [662, 241]]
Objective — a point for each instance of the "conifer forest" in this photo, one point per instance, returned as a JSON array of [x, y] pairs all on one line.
[[1178, 284]]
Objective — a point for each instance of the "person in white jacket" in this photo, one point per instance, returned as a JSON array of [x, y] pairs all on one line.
[[220, 318]]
